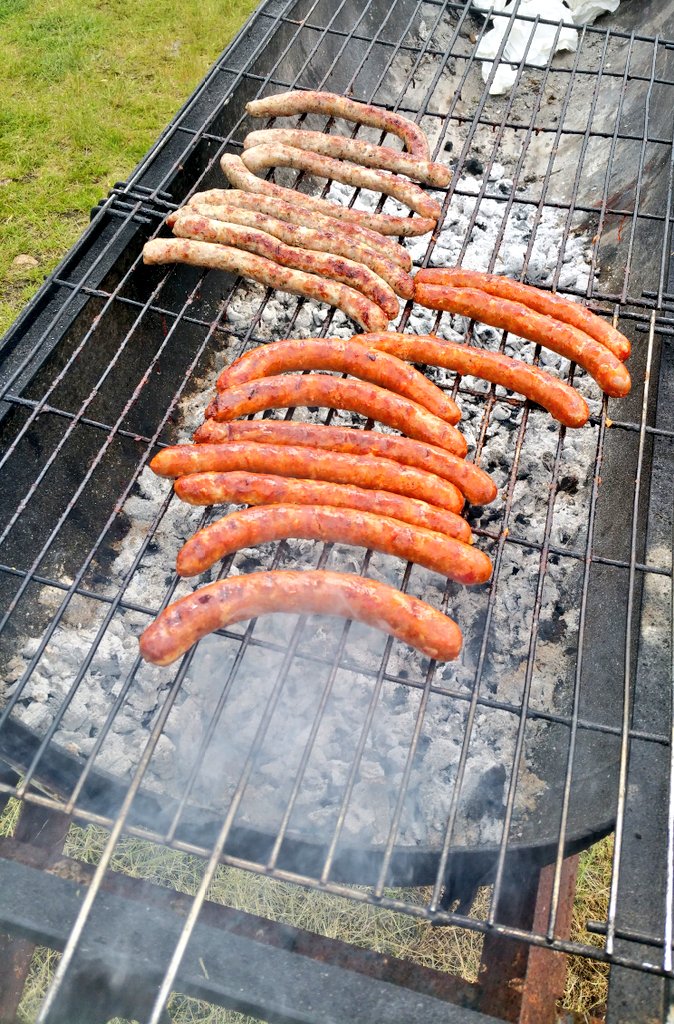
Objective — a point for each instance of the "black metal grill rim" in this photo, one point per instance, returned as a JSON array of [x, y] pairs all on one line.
[[632, 564]]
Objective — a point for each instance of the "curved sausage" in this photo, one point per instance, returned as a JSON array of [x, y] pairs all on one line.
[[275, 154], [265, 489], [235, 261], [295, 212], [542, 302], [317, 239], [355, 150], [285, 104], [287, 392], [335, 268], [609, 373], [342, 356], [561, 400], [473, 482], [252, 526], [308, 464], [232, 600], [238, 175]]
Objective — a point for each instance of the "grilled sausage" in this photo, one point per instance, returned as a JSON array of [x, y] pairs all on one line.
[[609, 373], [265, 489], [238, 175], [285, 104], [287, 392], [252, 526], [343, 356], [318, 239], [275, 154], [335, 268], [232, 600], [355, 150], [473, 482], [294, 211], [542, 302], [308, 464], [222, 257], [561, 400]]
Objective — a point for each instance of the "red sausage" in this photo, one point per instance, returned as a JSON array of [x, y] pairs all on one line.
[[567, 341], [561, 400], [344, 356], [542, 302], [220, 604], [287, 392], [265, 489], [478, 486], [309, 464], [252, 526]]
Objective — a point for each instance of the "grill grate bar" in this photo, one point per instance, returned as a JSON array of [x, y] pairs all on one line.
[[470, 722], [57, 618], [387, 902], [627, 697], [575, 718], [624, 750], [224, 833], [131, 199], [669, 892], [526, 18]]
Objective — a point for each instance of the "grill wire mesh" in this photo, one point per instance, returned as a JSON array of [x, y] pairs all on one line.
[[79, 389]]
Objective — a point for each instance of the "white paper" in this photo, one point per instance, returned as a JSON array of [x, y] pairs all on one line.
[[485, 5], [584, 12], [537, 41]]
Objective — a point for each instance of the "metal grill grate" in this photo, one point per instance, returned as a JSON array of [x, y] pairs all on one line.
[[97, 372]]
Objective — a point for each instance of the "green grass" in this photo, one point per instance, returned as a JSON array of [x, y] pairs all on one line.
[[86, 88]]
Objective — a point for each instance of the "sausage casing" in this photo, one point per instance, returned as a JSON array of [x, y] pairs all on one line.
[[310, 464], [266, 489], [344, 356], [356, 150], [285, 104], [232, 600], [252, 526], [543, 302], [318, 239], [238, 175], [369, 400], [190, 224], [275, 154], [294, 212], [560, 399], [236, 261], [609, 373], [473, 482]]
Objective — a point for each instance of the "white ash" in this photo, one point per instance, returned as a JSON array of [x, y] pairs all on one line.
[[386, 747]]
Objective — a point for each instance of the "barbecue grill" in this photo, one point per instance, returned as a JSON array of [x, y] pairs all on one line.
[[558, 715]]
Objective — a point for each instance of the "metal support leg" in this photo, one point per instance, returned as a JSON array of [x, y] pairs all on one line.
[[45, 831], [519, 982]]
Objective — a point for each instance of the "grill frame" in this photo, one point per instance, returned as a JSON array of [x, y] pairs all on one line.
[[135, 204]]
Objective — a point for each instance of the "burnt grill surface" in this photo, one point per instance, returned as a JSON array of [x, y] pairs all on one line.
[[110, 358]]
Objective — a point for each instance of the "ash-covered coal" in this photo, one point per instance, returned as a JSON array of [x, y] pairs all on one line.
[[367, 690]]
